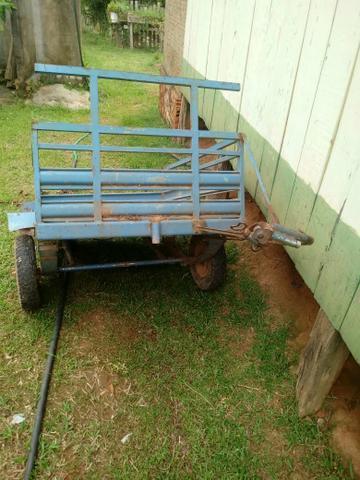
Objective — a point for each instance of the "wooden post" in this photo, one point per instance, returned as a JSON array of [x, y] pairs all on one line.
[[131, 33], [320, 365]]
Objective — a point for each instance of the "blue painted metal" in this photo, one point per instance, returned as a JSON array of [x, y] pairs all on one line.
[[96, 169], [37, 181], [128, 177], [154, 132], [74, 210], [257, 172], [120, 148], [96, 202], [195, 161], [184, 161], [63, 230], [134, 77], [240, 169], [113, 265], [20, 220]]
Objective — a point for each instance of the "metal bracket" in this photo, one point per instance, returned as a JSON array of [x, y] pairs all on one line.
[[260, 234], [21, 220]]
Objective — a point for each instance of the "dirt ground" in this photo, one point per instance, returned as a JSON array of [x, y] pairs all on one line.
[[6, 96], [287, 292]]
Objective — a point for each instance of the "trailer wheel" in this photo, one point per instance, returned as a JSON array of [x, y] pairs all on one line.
[[210, 274], [26, 277]]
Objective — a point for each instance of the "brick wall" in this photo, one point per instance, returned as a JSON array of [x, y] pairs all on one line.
[[172, 104], [175, 17]]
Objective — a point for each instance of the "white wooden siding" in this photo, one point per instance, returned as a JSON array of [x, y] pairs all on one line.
[[298, 65]]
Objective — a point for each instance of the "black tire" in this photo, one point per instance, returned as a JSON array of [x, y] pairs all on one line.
[[208, 275], [26, 274]]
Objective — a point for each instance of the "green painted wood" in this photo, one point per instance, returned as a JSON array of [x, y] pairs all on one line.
[[340, 274], [282, 189], [268, 165], [208, 105], [350, 328], [306, 146], [327, 110], [322, 226], [231, 118], [221, 109], [257, 146]]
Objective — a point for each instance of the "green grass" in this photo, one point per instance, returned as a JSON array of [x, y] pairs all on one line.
[[201, 380]]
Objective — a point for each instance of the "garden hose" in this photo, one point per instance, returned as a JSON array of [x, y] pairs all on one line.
[[41, 406], [75, 155]]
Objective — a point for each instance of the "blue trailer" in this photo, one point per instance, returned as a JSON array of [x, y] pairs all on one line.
[[200, 194]]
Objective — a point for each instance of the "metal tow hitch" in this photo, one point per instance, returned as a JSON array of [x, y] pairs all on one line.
[[260, 234]]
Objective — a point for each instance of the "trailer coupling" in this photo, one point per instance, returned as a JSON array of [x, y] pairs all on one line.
[[260, 234]]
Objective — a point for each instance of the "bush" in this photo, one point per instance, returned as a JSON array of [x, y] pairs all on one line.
[[96, 12], [123, 7]]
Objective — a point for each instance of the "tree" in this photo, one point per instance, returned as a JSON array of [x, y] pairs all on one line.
[[96, 12], [43, 31]]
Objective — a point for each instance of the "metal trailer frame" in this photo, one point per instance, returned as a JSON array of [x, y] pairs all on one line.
[[197, 195], [174, 202]]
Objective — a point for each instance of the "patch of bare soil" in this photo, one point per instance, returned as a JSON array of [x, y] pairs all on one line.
[[275, 272], [6, 96], [288, 296], [345, 409], [58, 95]]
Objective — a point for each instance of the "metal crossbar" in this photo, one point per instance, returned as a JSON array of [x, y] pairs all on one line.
[[134, 77], [111, 130], [176, 196]]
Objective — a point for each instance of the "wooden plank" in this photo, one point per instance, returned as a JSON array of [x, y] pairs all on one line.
[[340, 274], [350, 328], [248, 122], [335, 185], [218, 118], [192, 46], [187, 37], [271, 69], [320, 364], [271, 78], [242, 26], [326, 112], [298, 108], [213, 57], [321, 16], [286, 36], [203, 14], [131, 33], [202, 46]]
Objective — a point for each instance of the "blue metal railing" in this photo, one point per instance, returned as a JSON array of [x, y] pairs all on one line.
[[168, 191]]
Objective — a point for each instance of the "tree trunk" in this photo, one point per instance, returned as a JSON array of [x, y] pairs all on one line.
[[43, 31]]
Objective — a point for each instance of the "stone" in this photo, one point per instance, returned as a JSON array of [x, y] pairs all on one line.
[[58, 95]]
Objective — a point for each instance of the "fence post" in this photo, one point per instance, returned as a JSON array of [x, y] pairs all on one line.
[[131, 33], [320, 365]]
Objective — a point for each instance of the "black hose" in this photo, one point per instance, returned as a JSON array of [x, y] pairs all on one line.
[[41, 407]]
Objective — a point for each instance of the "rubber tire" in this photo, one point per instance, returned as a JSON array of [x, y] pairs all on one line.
[[26, 273], [211, 274]]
